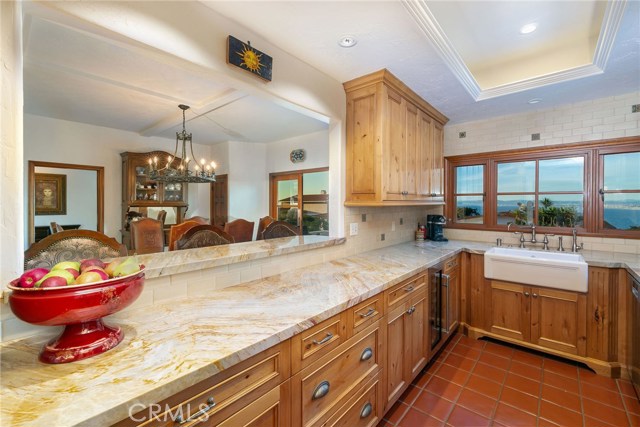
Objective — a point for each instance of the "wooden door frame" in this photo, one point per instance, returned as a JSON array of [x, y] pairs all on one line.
[[32, 191], [212, 197]]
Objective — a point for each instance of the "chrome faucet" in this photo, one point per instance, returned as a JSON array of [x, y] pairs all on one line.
[[545, 242], [574, 244], [521, 233], [533, 234]]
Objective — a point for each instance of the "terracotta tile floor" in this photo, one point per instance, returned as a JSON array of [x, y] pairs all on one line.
[[485, 383]]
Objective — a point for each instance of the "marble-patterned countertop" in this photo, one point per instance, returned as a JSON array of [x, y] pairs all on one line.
[[172, 346]]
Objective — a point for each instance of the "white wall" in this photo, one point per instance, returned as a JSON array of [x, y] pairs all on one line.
[[11, 139], [62, 141], [603, 118], [248, 166], [81, 198], [315, 144]]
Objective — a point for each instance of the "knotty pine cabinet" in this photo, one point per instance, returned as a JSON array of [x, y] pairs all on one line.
[[581, 327], [407, 336], [395, 143]]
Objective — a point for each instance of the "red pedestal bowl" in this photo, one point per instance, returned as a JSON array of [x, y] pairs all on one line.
[[80, 308]]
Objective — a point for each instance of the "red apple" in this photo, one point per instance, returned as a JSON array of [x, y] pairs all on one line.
[[75, 273], [30, 277], [53, 282], [68, 277], [85, 264], [91, 277], [98, 270]]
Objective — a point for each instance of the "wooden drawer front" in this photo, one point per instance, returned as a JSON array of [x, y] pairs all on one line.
[[228, 390], [363, 410], [366, 313], [451, 264], [269, 410], [402, 291], [327, 382], [317, 341]]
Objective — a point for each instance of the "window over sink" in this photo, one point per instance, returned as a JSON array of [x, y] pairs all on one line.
[[593, 187]]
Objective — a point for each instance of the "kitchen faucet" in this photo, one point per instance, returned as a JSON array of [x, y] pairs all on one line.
[[574, 244], [522, 239]]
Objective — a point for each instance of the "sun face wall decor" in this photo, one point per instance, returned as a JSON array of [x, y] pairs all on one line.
[[244, 56]]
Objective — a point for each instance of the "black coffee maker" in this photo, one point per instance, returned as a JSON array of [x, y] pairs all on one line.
[[435, 224]]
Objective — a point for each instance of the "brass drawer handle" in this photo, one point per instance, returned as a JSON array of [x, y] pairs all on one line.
[[321, 390], [210, 404], [409, 288], [368, 313], [323, 340], [367, 409], [366, 354]]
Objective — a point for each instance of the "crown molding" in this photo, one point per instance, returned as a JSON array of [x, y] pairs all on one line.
[[427, 22]]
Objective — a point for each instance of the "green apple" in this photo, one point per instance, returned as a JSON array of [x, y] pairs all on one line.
[[66, 264], [57, 273], [126, 267]]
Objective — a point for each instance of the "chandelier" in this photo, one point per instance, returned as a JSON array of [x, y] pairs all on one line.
[[177, 169]]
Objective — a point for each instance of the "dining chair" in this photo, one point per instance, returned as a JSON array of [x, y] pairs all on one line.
[[262, 224], [202, 236], [147, 236], [198, 219], [280, 229], [178, 230], [72, 245], [55, 227], [240, 229]]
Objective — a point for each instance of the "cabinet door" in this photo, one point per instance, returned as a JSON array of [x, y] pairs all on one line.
[[363, 144], [437, 165], [412, 153], [425, 154], [479, 294], [417, 315], [510, 316], [558, 320], [395, 146], [398, 352], [451, 294]]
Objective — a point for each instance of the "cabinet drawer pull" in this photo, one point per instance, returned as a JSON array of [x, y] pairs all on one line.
[[411, 310], [367, 409], [366, 354], [323, 340], [321, 390], [535, 295], [210, 404], [409, 288], [526, 294], [368, 313]]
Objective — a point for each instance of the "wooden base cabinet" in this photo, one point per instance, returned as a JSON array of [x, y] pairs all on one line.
[[578, 326], [548, 318], [408, 341], [325, 386]]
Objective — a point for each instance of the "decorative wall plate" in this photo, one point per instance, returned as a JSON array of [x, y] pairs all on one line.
[[297, 156]]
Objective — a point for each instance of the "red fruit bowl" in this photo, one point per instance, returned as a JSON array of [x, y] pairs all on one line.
[[81, 309]]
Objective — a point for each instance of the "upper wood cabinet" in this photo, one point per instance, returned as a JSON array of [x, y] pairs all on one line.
[[394, 144]]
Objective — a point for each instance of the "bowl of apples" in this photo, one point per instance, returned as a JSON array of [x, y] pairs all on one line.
[[77, 295]]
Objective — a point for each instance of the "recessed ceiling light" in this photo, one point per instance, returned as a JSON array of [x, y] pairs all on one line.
[[534, 100], [347, 41], [529, 28]]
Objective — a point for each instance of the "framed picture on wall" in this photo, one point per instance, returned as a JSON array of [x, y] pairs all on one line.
[[50, 194]]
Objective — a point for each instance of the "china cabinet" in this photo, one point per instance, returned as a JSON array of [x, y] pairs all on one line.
[[144, 196]]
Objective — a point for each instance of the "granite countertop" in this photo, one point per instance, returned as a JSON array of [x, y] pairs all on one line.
[[171, 346]]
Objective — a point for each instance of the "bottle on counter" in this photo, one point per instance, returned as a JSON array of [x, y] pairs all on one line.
[[420, 233]]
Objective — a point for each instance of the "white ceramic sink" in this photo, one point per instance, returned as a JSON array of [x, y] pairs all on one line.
[[559, 270]]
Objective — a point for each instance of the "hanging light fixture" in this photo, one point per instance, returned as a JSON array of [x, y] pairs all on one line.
[[177, 168]]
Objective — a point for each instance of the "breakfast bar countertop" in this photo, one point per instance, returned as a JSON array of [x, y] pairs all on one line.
[[170, 346]]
